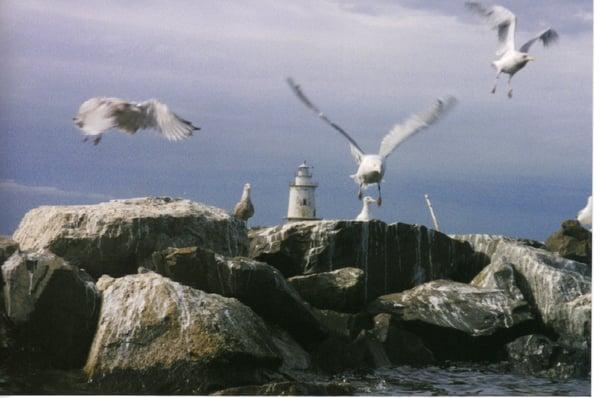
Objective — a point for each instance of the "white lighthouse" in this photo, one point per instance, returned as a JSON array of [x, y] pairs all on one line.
[[302, 204]]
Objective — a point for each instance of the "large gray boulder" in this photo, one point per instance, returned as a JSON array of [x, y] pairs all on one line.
[[339, 290], [393, 257], [7, 248], [572, 241], [556, 288], [256, 284], [454, 305], [53, 306], [115, 237], [156, 336]]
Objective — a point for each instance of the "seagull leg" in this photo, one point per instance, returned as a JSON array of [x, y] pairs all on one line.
[[509, 87], [379, 198], [496, 83], [97, 139], [360, 194]]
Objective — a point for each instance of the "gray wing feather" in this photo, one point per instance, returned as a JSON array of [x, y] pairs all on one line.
[[500, 19], [547, 37]]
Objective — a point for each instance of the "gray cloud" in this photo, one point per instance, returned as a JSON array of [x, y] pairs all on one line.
[[13, 187]]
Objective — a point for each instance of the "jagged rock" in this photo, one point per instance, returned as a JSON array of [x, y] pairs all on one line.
[[500, 275], [343, 324], [572, 241], [336, 354], [553, 285], [115, 237], [53, 306], [291, 388], [7, 248], [538, 355], [401, 346], [394, 257], [156, 336], [466, 308], [293, 356], [340, 290], [256, 284]]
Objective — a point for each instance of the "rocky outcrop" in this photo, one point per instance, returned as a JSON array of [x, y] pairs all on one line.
[[572, 241], [7, 248], [499, 275], [469, 309], [538, 355], [343, 324], [256, 284], [115, 237], [394, 257], [554, 286], [339, 290], [291, 388], [53, 306], [156, 336]]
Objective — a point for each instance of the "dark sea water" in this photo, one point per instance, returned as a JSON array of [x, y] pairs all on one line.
[[457, 379]]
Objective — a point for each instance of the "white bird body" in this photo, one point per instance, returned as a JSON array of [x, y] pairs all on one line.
[[244, 209], [371, 167], [584, 216], [99, 114], [365, 214], [511, 60]]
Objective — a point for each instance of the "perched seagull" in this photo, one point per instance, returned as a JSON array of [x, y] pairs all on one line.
[[365, 214], [504, 21], [371, 167], [244, 208], [99, 114], [585, 215]]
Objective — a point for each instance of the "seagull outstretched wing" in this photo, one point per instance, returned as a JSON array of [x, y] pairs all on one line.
[[401, 132], [99, 114], [547, 37], [357, 152], [500, 19]]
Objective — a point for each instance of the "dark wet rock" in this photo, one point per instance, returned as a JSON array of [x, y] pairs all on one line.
[[7, 248], [540, 356], [466, 308], [156, 336], [256, 284], [115, 237], [340, 290], [394, 257], [336, 354], [343, 324], [293, 356], [291, 388], [53, 307], [572, 241], [555, 287], [402, 347]]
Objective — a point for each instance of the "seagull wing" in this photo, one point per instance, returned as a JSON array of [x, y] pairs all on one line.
[[416, 123], [547, 37], [500, 19], [357, 152], [158, 116], [584, 216]]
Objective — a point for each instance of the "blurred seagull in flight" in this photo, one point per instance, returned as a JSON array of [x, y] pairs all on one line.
[[365, 214], [504, 21], [584, 216], [371, 167], [99, 114]]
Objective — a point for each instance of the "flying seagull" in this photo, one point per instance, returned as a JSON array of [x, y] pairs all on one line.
[[99, 114], [504, 21], [244, 208], [371, 167], [365, 214], [584, 216]]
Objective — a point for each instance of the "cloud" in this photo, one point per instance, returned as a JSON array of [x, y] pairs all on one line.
[[11, 186]]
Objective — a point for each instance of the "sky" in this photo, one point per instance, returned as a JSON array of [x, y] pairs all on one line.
[[515, 167]]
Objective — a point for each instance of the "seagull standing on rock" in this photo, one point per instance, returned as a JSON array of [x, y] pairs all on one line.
[[365, 214], [584, 216], [244, 208], [504, 21], [371, 167], [99, 114]]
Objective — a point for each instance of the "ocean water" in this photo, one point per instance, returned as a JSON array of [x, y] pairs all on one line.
[[453, 380]]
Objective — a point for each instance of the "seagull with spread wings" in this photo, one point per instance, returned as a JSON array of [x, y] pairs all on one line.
[[99, 114], [504, 21], [371, 167]]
